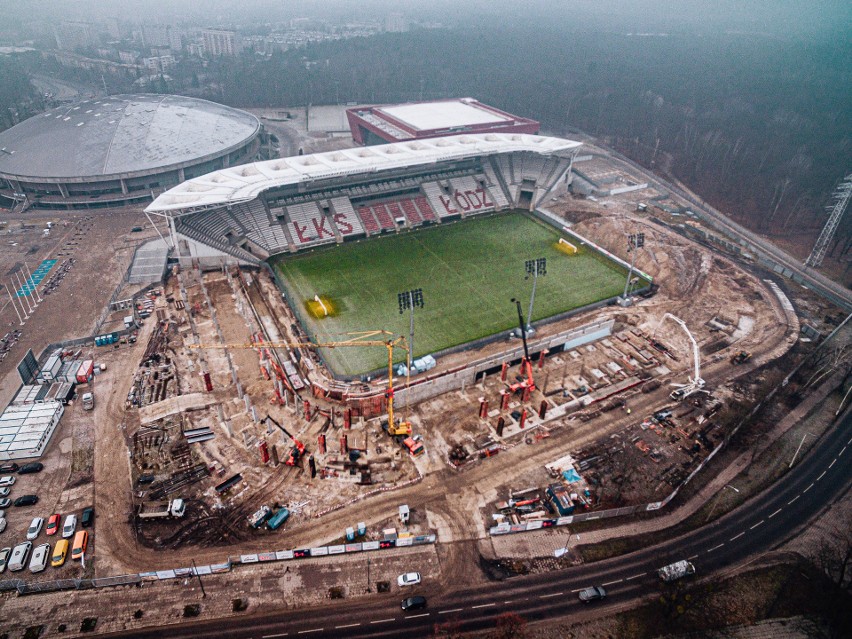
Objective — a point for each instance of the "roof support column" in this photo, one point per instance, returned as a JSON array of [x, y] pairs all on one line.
[[123, 186], [63, 190]]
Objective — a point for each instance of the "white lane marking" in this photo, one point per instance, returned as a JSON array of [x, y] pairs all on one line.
[[349, 625], [609, 583], [794, 499], [849, 442], [384, 620], [807, 489], [693, 557], [553, 594], [737, 537], [775, 513], [425, 614], [304, 632], [833, 461], [446, 612], [757, 524], [508, 601], [577, 590], [842, 451], [641, 574], [483, 606], [280, 634], [716, 547], [821, 476]]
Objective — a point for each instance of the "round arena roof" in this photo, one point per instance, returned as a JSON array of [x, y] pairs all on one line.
[[122, 135]]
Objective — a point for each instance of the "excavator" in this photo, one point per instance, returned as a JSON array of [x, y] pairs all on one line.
[[298, 447], [357, 339]]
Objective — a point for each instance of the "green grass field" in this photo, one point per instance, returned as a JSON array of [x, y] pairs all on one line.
[[469, 271]]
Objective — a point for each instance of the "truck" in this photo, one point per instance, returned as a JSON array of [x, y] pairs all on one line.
[[257, 519], [675, 571], [85, 372], [174, 508], [88, 401]]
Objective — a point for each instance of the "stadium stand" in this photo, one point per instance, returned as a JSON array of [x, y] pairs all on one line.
[[345, 218], [370, 224], [424, 209], [267, 234], [411, 214], [383, 216], [469, 195], [308, 226], [213, 229], [495, 187], [438, 199]]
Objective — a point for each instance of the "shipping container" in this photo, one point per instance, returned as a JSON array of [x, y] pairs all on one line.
[[85, 372]]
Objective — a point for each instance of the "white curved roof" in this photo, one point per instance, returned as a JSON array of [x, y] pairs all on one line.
[[245, 182]]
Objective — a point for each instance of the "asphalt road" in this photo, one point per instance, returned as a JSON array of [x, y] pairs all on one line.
[[759, 525]]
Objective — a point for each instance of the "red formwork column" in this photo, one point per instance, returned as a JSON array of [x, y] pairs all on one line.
[[483, 407], [344, 444], [525, 397], [347, 419], [321, 444], [307, 406], [504, 399], [501, 424], [541, 358], [503, 371], [208, 382]]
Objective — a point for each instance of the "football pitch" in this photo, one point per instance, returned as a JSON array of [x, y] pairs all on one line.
[[468, 270]]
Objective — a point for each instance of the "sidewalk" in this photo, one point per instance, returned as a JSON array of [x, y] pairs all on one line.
[[543, 543]]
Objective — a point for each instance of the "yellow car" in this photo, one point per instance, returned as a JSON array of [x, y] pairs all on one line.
[[59, 553]]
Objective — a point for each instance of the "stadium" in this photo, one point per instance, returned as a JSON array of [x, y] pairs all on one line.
[[349, 229], [118, 149]]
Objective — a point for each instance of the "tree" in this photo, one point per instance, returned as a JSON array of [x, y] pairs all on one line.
[[509, 626]]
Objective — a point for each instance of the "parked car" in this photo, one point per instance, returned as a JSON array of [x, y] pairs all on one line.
[[41, 555], [7, 480], [2, 524], [5, 490], [78, 548], [88, 517], [52, 524], [9, 467], [4, 557], [593, 593], [26, 500], [5, 502], [2, 513], [60, 552], [69, 526], [35, 527], [413, 603], [32, 467], [408, 579]]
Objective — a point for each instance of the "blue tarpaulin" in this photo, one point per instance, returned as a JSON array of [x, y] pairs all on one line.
[[570, 475]]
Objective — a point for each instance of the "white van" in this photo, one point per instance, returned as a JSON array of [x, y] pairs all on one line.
[[20, 555], [40, 557]]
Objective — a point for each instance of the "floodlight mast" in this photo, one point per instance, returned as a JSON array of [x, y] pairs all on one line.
[[635, 241], [408, 300], [535, 268]]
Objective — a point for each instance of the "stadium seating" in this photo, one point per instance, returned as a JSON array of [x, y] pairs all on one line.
[[308, 226], [385, 219], [470, 196], [370, 224], [345, 218], [425, 210], [260, 229], [212, 228], [439, 200], [411, 214]]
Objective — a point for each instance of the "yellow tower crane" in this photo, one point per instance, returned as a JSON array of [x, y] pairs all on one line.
[[357, 339]]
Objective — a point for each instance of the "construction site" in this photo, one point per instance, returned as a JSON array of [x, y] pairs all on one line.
[[218, 435]]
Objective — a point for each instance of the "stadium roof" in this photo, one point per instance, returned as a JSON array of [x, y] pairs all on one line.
[[440, 115], [120, 135], [246, 182]]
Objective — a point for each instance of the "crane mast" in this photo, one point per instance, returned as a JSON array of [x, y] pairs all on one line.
[[695, 382]]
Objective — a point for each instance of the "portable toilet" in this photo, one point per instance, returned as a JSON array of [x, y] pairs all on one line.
[[404, 514], [350, 534], [362, 529]]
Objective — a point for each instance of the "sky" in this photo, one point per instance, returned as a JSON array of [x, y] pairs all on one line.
[[781, 18]]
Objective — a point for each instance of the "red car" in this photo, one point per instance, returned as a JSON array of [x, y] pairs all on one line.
[[52, 524]]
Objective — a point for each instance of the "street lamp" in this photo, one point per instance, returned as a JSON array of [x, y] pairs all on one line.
[[408, 300], [635, 241], [534, 268]]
